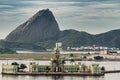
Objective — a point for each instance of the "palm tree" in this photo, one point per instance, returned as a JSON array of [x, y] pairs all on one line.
[[71, 55], [72, 61], [71, 58], [23, 66], [14, 63], [47, 69], [54, 64], [63, 62], [102, 69]]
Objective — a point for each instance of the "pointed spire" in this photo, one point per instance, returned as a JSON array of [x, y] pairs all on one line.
[[57, 48]]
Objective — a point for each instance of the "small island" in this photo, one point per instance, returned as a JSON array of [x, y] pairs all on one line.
[[57, 67]]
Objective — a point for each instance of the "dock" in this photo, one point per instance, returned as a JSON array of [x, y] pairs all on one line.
[[54, 74], [112, 71], [62, 73]]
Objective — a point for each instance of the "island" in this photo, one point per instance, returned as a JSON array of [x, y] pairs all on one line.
[[57, 66]]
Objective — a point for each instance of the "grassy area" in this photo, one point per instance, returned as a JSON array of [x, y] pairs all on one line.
[[32, 56], [48, 56], [25, 56]]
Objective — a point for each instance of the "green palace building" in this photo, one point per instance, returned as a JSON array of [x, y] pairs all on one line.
[[58, 64]]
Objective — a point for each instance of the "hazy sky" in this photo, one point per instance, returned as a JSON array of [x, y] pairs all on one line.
[[92, 16]]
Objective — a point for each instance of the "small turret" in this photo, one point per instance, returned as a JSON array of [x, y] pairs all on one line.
[[57, 48]]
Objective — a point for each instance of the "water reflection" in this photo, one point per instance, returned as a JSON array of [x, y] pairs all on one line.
[[57, 78], [12, 77], [9, 77], [77, 78]]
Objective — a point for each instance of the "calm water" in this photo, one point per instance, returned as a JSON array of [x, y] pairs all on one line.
[[109, 65]]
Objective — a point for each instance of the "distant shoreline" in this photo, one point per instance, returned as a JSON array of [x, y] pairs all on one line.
[[48, 56]]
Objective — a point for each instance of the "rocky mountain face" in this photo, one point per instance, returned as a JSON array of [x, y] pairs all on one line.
[[42, 26], [42, 31]]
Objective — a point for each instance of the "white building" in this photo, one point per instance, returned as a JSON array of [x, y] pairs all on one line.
[[9, 68]]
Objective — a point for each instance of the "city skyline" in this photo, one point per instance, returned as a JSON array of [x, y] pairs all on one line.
[[92, 16]]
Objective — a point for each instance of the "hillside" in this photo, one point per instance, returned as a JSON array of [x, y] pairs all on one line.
[[111, 38], [71, 38], [20, 46], [76, 39], [42, 31]]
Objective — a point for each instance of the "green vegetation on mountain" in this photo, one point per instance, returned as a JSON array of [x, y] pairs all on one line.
[[74, 38], [20, 46], [6, 50], [111, 39]]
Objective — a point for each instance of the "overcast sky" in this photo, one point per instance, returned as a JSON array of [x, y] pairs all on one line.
[[92, 16]]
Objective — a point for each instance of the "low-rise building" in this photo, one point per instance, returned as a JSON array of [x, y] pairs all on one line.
[[95, 68], [9, 68], [103, 52]]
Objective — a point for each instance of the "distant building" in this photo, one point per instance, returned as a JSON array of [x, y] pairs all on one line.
[[104, 52], [59, 45], [113, 52], [90, 48], [95, 68]]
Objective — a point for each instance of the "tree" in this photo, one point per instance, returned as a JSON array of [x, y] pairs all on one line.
[[54, 61], [71, 55], [54, 64], [14, 63], [102, 68], [72, 61], [47, 69], [6, 50], [84, 57], [63, 62], [88, 53], [23, 66], [98, 58]]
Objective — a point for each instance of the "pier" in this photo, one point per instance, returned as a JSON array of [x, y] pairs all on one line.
[[55, 74], [62, 73], [111, 71]]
